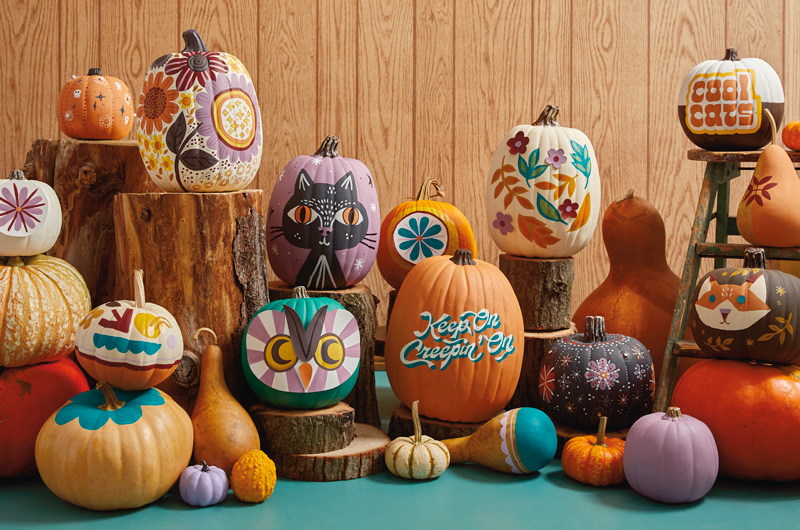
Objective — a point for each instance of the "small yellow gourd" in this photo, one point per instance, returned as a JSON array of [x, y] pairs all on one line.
[[253, 478], [418, 457]]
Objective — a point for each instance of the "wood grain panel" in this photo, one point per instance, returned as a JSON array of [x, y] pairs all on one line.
[[551, 58], [79, 40], [791, 60]]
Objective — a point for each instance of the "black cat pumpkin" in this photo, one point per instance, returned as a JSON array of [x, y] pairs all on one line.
[[323, 220], [590, 375], [748, 313]]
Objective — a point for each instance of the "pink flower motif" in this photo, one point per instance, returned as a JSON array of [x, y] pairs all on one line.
[[19, 208], [556, 158], [197, 67], [602, 374], [518, 144], [568, 208], [503, 223]]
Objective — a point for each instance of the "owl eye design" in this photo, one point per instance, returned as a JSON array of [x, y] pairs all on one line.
[[330, 352], [349, 216], [302, 214], [279, 353]]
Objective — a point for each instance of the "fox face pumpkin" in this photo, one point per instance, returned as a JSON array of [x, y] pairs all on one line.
[[732, 307]]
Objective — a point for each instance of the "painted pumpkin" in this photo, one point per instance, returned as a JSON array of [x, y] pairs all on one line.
[[107, 450], [45, 298], [95, 107], [323, 220], [253, 478], [415, 230], [721, 104], [595, 460], [791, 135], [543, 192], [584, 377], [28, 396], [132, 345], [302, 352], [455, 339], [417, 457], [199, 123], [30, 216], [753, 411], [671, 457], [748, 313], [203, 485]]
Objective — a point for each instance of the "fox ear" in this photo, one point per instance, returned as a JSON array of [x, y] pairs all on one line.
[[758, 286], [706, 286]]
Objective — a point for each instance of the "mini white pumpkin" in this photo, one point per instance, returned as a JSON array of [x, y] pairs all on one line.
[[30, 216], [417, 457]]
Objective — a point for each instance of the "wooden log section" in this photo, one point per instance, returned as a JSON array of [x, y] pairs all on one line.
[[304, 431], [362, 458], [86, 176], [401, 424], [565, 434], [360, 301], [537, 344], [204, 260], [543, 288]]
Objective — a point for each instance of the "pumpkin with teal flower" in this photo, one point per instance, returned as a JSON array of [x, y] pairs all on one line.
[[109, 449], [302, 352]]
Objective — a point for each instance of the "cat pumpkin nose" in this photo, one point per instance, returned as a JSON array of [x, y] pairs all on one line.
[[325, 230]]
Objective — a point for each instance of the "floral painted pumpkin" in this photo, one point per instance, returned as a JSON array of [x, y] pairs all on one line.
[[30, 216], [132, 345], [748, 313], [95, 107], [584, 377], [199, 122], [455, 339], [415, 230], [302, 352], [543, 192], [323, 220], [110, 450], [721, 104]]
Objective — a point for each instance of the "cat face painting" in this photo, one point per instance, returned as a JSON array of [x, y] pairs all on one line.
[[732, 307]]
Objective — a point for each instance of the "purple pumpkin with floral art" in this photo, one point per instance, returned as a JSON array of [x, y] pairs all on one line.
[[199, 125], [323, 220]]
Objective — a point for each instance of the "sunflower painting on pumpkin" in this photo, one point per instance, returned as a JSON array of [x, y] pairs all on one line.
[[157, 102]]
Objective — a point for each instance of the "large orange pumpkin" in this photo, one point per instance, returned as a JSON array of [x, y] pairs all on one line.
[[753, 411], [455, 339], [95, 107]]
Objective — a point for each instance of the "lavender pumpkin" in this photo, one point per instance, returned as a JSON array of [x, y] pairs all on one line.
[[323, 220]]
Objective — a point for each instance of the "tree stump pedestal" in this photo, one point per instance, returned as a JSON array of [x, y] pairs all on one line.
[[401, 424]]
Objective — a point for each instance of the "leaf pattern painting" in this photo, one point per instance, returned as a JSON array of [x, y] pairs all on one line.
[[583, 214], [536, 231], [581, 160]]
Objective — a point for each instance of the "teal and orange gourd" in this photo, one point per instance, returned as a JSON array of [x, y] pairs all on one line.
[[302, 352]]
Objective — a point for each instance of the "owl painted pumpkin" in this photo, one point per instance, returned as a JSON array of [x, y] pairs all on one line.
[[199, 122], [415, 230], [30, 216], [721, 104], [323, 220], [302, 352], [95, 107], [132, 345], [543, 192], [584, 377]]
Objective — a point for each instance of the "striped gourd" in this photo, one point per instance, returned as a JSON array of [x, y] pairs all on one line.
[[417, 457]]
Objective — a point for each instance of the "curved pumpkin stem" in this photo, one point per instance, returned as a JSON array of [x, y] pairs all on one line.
[[601, 431], [329, 147], [548, 116], [138, 288], [417, 424], [194, 42], [112, 403], [772, 125], [425, 193], [207, 330], [205, 468], [627, 196]]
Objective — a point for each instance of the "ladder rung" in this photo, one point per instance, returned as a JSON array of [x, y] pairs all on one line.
[[689, 348], [736, 250]]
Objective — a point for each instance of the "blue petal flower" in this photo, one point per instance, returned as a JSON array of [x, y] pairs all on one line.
[[86, 408], [432, 231]]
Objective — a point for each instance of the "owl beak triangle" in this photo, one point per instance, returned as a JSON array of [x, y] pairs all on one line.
[[305, 370]]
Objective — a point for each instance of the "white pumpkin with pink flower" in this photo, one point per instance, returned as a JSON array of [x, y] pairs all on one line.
[[543, 192]]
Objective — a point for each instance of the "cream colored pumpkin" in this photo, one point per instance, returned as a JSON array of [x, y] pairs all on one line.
[[43, 299], [30, 216], [417, 457]]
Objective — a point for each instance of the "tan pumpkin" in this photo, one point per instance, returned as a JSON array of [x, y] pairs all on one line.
[[253, 478], [417, 457], [44, 298]]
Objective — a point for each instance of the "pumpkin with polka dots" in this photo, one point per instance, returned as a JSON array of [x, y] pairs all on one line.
[[95, 107]]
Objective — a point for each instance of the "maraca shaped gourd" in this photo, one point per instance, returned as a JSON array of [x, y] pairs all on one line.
[[519, 441]]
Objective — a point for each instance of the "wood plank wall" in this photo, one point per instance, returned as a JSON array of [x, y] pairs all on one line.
[[419, 88]]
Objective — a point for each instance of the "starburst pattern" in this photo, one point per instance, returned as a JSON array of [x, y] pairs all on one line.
[[21, 208], [359, 263], [546, 383], [274, 249]]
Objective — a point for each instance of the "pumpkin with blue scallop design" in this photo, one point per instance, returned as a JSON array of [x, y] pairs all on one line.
[[301, 352]]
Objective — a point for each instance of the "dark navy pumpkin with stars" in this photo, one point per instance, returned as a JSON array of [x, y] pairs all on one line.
[[586, 376]]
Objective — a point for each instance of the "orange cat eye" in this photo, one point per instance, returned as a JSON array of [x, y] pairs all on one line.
[[302, 214], [351, 216]]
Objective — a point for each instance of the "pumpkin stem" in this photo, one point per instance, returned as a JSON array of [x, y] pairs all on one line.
[[595, 330], [772, 125], [138, 288], [548, 116], [674, 413], [112, 403], [627, 196], [207, 330], [16, 174], [463, 257], [328, 148], [601, 431], [194, 43], [755, 258], [205, 468], [299, 292], [94, 71], [731, 55], [424, 191], [417, 424], [15, 261]]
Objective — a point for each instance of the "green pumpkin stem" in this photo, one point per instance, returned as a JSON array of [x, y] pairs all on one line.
[[731, 55], [94, 71], [548, 116], [299, 292], [673, 412], [16, 174], [205, 468], [595, 330], [463, 257], [112, 403], [194, 42], [601, 431], [138, 288], [328, 148], [417, 424], [425, 193], [15, 261], [755, 258]]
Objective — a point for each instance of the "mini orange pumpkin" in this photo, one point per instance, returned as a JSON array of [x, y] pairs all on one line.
[[595, 460], [95, 107], [791, 135], [253, 477]]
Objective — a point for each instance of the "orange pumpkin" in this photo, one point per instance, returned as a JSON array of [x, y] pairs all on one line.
[[415, 230], [95, 107], [455, 339], [753, 411], [595, 460], [791, 135]]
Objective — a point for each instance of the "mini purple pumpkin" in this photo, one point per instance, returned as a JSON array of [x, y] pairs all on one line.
[[323, 220], [203, 485]]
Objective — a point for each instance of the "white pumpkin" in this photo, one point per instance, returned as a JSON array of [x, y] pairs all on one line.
[[543, 192], [417, 457], [30, 216]]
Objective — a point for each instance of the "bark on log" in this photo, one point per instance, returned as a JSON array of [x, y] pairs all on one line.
[[86, 176], [362, 458], [537, 344], [401, 424], [204, 260], [360, 301], [543, 288], [304, 431]]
